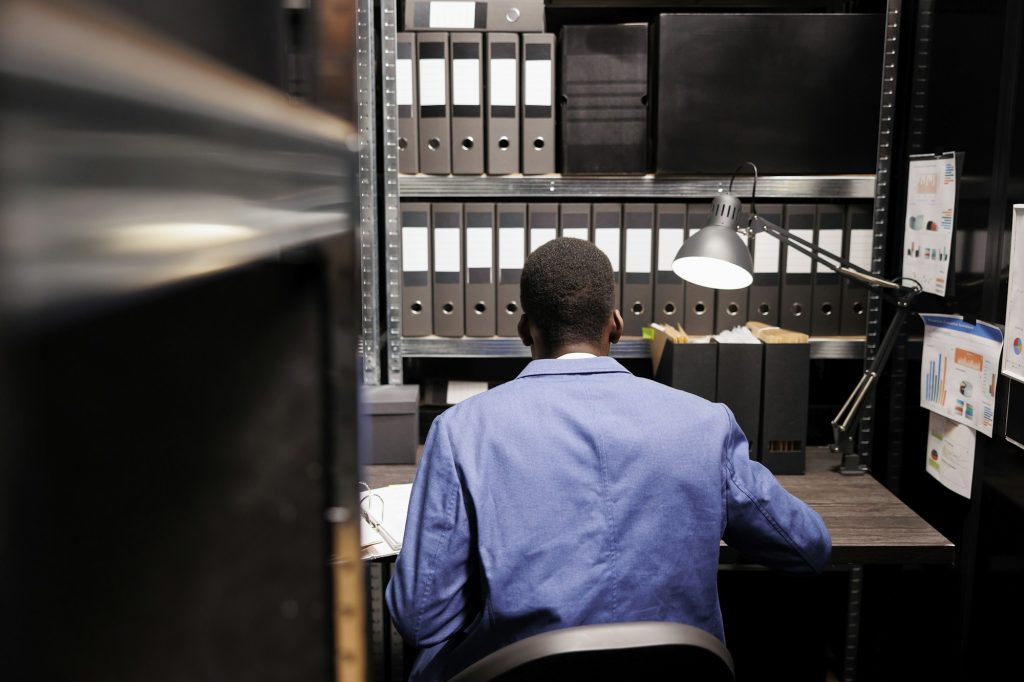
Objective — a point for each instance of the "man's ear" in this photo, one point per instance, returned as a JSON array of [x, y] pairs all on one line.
[[617, 324], [523, 328]]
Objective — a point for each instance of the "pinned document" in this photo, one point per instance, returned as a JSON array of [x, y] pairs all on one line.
[[959, 368], [931, 214], [949, 456]]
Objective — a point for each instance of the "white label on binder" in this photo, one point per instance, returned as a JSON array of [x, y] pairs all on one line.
[[478, 247], [541, 235], [537, 91], [510, 247], [796, 262], [446, 249], [576, 233], [432, 91], [503, 82], [860, 248], [452, 15], [466, 82], [766, 253], [670, 239], [403, 82], [638, 250], [830, 240], [607, 239], [414, 249]]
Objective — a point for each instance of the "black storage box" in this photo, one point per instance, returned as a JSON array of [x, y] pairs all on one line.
[[794, 93], [604, 100], [739, 386], [784, 402], [393, 415], [691, 367]]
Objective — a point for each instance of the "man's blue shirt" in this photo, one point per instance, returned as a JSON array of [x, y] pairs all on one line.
[[577, 494]]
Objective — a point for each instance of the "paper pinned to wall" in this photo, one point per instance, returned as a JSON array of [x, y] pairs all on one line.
[[931, 210], [950, 456], [1013, 343], [959, 366]]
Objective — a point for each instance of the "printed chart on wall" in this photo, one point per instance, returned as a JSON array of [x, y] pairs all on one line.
[[950, 457], [959, 366], [1013, 344], [931, 210]]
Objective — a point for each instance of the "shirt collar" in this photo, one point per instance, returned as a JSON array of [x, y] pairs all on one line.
[[596, 365], [575, 356]]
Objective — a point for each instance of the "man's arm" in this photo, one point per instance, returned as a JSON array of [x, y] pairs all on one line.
[[432, 594], [764, 522]]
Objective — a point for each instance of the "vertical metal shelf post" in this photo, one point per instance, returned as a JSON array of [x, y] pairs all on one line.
[[886, 125], [367, 125], [392, 235]]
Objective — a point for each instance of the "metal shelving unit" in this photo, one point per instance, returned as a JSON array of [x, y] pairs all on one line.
[[643, 187], [833, 348]]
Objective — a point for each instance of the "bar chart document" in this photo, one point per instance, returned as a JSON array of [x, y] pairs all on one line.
[[931, 211], [959, 364]]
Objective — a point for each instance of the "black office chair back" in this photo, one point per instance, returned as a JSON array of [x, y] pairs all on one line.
[[614, 651]]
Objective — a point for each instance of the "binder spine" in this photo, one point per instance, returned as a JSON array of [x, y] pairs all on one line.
[[434, 115], [763, 300], [858, 250], [542, 220], [449, 300], [669, 301], [417, 306], [405, 86], [827, 292], [511, 256], [699, 318], [467, 139], [483, 15], [797, 268], [538, 111], [608, 238], [503, 104], [638, 289], [480, 279], [574, 221]]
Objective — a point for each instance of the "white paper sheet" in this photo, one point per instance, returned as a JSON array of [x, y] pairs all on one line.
[[461, 390], [1013, 343], [928, 235], [959, 363], [950, 454]]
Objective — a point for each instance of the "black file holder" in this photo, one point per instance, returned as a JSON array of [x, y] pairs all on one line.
[[690, 367], [738, 385], [786, 378]]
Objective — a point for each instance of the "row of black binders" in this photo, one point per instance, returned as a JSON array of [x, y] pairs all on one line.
[[470, 103], [461, 264]]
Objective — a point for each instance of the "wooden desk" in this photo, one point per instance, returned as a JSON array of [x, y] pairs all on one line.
[[868, 524]]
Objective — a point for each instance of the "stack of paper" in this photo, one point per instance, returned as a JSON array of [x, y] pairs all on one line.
[[383, 512]]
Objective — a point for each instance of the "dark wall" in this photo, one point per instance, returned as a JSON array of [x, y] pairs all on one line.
[[974, 105]]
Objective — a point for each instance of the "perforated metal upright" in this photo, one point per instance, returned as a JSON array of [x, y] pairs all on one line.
[[367, 124], [392, 235]]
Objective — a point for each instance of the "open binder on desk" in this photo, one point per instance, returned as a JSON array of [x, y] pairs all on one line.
[[382, 514]]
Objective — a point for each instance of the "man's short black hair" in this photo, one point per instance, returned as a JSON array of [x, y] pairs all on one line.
[[567, 290]]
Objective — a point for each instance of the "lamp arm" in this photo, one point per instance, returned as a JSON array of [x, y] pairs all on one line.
[[844, 423], [833, 261]]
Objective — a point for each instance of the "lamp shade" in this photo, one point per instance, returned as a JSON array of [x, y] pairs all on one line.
[[715, 257]]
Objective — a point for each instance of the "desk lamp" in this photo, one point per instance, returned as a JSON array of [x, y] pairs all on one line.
[[716, 257]]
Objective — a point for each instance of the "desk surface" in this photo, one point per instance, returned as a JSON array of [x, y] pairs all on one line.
[[869, 525]]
